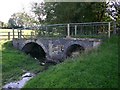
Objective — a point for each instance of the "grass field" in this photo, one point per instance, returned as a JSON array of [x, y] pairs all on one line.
[[14, 63], [10, 30], [4, 33], [96, 69]]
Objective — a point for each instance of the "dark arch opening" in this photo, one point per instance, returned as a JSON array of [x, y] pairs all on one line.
[[74, 50], [35, 50]]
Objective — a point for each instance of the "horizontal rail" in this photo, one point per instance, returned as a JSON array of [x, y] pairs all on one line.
[[66, 29], [78, 23], [91, 23]]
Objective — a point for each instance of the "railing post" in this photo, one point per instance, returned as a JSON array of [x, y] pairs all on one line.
[[13, 34], [114, 31], [8, 35], [109, 29], [46, 30], [68, 30], [75, 30]]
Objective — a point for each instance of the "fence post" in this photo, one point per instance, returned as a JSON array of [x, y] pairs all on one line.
[[32, 33], [35, 32], [13, 34], [109, 29], [75, 30], [18, 35], [68, 30], [8, 35]]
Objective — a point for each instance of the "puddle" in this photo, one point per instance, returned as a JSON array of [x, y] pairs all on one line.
[[19, 84]]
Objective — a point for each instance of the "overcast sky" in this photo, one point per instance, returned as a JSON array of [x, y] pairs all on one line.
[[8, 7]]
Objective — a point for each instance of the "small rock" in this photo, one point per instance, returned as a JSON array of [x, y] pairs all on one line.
[[27, 75], [36, 59], [9, 87], [42, 63]]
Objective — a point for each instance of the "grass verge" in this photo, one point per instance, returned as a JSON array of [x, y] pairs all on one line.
[[96, 69], [14, 63]]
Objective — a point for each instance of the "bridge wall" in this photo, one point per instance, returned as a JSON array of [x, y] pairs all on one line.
[[56, 49]]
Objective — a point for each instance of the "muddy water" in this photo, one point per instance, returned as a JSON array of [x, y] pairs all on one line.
[[19, 84]]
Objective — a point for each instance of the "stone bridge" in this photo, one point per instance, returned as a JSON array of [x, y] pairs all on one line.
[[55, 50]]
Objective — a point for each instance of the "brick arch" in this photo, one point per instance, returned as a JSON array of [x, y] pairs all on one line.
[[36, 50], [39, 43], [70, 44]]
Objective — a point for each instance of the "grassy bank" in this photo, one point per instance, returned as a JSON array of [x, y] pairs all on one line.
[[96, 69], [0, 67], [14, 63]]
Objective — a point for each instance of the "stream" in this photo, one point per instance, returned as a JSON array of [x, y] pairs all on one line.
[[17, 85]]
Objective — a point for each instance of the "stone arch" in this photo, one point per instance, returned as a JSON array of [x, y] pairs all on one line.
[[35, 50], [73, 48]]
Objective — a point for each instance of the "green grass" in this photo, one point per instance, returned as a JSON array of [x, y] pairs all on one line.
[[10, 30], [4, 33], [0, 66], [14, 62], [95, 69]]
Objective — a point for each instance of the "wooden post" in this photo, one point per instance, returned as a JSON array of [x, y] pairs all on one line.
[[35, 32], [68, 30], [109, 29], [13, 34], [18, 35], [8, 35], [32, 33]]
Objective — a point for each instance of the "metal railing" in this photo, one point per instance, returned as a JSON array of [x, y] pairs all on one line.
[[91, 29]]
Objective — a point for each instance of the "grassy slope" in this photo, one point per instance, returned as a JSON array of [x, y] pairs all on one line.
[[0, 67], [96, 69], [14, 62]]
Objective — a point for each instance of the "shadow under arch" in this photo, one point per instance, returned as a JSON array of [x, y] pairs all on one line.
[[74, 50], [35, 50]]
